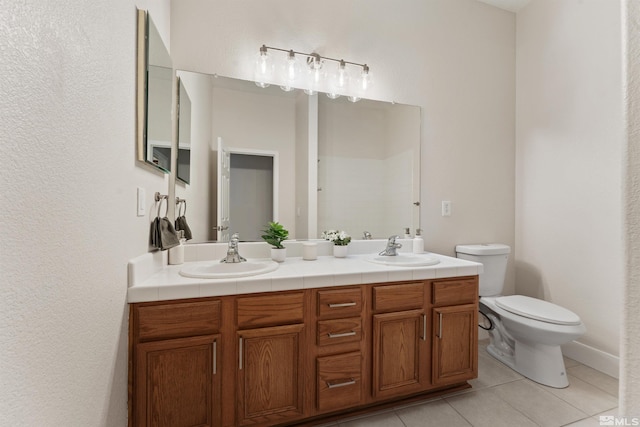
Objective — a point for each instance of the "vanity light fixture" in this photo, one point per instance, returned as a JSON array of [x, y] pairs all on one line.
[[290, 74]]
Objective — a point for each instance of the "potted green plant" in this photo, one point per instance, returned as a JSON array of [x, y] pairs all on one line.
[[274, 235]]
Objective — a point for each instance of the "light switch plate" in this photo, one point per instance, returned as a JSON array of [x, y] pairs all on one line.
[[142, 202], [446, 208]]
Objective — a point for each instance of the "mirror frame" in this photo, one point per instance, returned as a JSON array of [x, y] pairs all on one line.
[[142, 63]]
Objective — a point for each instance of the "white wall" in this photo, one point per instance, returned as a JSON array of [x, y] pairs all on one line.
[[568, 162], [69, 179]]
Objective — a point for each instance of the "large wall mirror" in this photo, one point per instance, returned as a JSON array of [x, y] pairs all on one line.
[[154, 96], [310, 162]]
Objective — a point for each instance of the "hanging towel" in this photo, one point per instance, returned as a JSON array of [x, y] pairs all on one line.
[[153, 233], [181, 224], [167, 234], [162, 235]]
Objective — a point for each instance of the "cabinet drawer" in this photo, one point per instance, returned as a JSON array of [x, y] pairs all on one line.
[[339, 381], [454, 292], [339, 331], [339, 302], [398, 297], [177, 320], [269, 310]]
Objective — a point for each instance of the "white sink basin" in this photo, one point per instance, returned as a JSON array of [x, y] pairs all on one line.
[[405, 260], [223, 270]]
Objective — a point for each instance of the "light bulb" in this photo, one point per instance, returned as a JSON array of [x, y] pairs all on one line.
[[263, 68], [366, 79], [290, 72], [339, 83], [315, 75]]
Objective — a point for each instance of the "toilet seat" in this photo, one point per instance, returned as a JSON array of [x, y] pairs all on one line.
[[537, 309]]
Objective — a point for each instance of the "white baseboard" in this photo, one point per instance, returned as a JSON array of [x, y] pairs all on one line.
[[592, 357]]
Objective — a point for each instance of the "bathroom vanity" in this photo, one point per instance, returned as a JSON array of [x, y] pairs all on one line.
[[302, 344]]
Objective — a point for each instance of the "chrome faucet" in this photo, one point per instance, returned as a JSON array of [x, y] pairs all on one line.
[[366, 236], [390, 250], [232, 251]]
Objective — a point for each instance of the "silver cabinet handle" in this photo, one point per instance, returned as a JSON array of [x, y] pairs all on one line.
[[215, 357], [344, 334], [342, 304], [439, 325], [240, 354], [424, 327], [350, 381]]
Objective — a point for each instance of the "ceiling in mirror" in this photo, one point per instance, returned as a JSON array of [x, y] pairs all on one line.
[[328, 163]]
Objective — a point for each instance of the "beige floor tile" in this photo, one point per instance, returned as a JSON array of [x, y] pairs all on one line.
[[541, 406], [587, 422], [484, 408], [434, 414], [492, 372], [385, 419], [584, 396], [595, 377]]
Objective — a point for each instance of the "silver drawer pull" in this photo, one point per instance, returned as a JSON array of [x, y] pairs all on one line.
[[350, 381], [342, 304], [344, 334]]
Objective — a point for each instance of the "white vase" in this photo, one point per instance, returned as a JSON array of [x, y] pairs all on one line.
[[278, 255], [340, 251]]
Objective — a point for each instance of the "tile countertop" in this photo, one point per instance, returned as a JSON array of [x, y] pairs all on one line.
[[151, 279]]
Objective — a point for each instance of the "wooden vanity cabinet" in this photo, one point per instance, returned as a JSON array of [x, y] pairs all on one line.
[[282, 358], [271, 352], [455, 331], [339, 351], [176, 374], [400, 352]]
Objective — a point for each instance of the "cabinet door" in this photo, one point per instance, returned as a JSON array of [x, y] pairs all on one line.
[[400, 359], [455, 344], [177, 383], [270, 374]]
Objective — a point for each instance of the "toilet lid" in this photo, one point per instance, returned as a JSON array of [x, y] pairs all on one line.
[[537, 309]]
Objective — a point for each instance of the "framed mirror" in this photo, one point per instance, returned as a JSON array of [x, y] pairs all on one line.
[[153, 96], [328, 163]]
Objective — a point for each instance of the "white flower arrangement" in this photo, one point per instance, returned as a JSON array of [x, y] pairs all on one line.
[[338, 237]]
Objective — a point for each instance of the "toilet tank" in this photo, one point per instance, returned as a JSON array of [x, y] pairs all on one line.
[[493, 257]]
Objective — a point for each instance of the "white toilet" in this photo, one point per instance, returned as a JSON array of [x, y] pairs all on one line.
[[525, 333]]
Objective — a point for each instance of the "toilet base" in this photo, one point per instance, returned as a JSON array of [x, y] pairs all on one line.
[[538, 362]]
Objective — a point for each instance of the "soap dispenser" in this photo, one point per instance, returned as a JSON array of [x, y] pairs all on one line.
[[418, 242], [407, 233]]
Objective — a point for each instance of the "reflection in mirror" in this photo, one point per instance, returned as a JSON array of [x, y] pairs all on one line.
[[368, 166], [184, 133], [352, 166], [154, 96]]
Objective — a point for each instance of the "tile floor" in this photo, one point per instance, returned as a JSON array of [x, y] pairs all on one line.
[[502, 397]]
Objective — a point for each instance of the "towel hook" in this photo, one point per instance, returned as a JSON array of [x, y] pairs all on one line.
[[181, 202], [160, 198]]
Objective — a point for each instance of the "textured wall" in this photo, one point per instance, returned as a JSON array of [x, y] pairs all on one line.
[[67, 120], [630, 345]]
